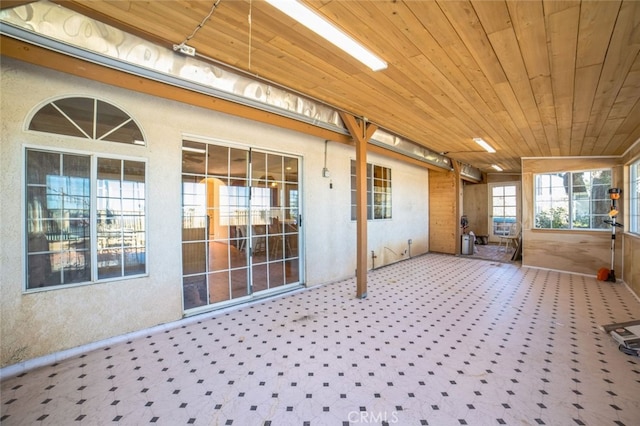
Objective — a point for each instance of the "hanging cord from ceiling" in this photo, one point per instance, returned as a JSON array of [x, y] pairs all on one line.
[[200, 25]]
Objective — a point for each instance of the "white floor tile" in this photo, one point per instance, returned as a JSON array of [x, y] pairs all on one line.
[[440, 340]]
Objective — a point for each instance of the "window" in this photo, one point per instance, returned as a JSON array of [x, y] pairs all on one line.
[[378, 192], [572, 200], [87, 118], [67, 243], [504, 206], [634, 197], [76, 235], [120, 201]]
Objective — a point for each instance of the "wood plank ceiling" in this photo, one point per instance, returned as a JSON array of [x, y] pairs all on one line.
[[533, 78]]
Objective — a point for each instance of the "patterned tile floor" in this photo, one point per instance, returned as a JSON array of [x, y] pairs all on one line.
[[440, 340]]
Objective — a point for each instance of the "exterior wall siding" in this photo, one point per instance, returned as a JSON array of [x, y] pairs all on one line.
[[38, 323]]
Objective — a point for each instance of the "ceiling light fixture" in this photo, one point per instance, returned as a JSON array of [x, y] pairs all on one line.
[[196, 150], [498, 168], [329, 31], [484, 144]]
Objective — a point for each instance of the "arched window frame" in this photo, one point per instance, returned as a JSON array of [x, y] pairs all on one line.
[[85, 210], [86, 117]]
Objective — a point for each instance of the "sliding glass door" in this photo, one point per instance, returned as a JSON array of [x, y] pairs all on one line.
[[240, 229]]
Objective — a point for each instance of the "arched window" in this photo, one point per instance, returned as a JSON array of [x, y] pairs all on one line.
[[85, 213], [87, 118]]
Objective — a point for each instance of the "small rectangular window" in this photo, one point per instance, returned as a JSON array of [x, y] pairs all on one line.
[[121, 218], [378, 192]]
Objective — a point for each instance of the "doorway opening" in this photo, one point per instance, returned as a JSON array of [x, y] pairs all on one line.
[[504, 209]]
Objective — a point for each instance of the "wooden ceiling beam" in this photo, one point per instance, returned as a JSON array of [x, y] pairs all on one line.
[[59, 62]]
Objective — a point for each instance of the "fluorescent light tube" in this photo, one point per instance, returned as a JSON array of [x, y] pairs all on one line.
[[327, 30], [196, 150], [484, 144], [498, 168]]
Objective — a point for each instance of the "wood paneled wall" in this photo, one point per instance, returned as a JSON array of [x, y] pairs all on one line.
[[576, 251], [475, 200], [573, 251], [475, 205], [444, 213]]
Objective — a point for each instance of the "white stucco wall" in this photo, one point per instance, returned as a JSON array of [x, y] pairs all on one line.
[[38, 323]]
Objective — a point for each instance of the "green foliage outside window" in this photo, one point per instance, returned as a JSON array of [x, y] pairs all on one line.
[[553, 218], [572, 200], [582, 221]]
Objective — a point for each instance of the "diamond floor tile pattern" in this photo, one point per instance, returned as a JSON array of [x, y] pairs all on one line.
[[440, 340]]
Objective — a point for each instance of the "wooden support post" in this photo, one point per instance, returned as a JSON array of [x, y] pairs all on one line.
[[361, 131]]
